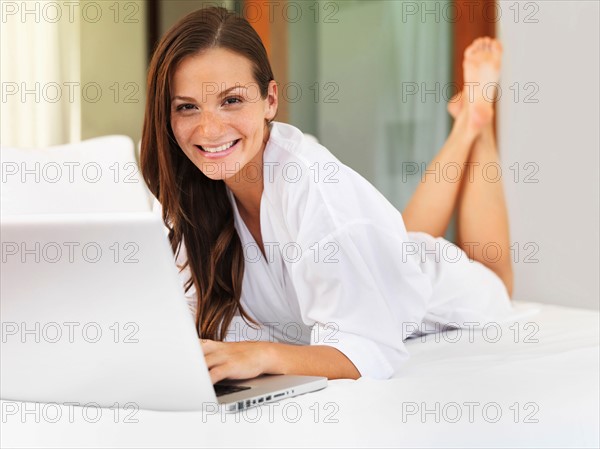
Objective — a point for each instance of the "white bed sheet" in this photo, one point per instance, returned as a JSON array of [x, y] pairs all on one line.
[[541, 375]]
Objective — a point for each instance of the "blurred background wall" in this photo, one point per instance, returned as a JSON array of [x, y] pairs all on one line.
[[549, 142]]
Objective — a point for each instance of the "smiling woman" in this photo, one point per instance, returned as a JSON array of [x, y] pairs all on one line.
[[273, 229], [217, 108], [223, 126]]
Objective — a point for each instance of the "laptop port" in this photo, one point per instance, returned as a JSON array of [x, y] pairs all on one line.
[[268, 398], [260, 400], [278, 395]]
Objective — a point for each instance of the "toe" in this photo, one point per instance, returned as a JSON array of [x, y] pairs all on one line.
[[469, 50], [497, 46], [474, 47], [487, 42]]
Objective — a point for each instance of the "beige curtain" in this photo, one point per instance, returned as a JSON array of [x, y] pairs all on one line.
[[40, 68]]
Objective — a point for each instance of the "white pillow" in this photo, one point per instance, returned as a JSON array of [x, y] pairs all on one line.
[[96, 175]]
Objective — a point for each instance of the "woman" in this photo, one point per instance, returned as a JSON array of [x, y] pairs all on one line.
[[281, 234]]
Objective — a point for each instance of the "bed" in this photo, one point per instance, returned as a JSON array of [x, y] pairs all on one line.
[[529, 382]]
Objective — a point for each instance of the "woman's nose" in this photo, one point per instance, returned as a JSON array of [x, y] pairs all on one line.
[[210, 126]]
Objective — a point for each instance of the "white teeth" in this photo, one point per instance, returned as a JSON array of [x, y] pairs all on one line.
[[219, 149]]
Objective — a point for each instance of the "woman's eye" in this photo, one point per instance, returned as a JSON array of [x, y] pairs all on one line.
[[232, 100], [185, 107]]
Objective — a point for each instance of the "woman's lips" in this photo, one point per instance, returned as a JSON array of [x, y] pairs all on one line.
[[218, 154]]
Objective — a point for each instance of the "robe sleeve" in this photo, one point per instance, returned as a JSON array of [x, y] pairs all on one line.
[[364, 294]]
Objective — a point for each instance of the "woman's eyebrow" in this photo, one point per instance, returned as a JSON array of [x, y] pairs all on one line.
[[226, 91], [179, 97], [220, 95]]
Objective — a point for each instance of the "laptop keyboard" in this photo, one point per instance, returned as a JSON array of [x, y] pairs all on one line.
[[222, 389]]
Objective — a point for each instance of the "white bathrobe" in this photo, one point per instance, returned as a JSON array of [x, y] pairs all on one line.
[[340, 268]]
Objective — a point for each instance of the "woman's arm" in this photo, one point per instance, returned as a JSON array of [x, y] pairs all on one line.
[[244, 360]]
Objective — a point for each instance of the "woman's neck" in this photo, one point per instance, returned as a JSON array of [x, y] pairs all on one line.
[[248, 196], [247, 186]]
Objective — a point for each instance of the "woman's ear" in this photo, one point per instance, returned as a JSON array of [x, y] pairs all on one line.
[[272, 101]]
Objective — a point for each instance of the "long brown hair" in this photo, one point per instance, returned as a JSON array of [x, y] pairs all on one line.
[[196, 209]]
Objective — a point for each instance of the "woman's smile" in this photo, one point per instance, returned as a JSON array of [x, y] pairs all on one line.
[[219, 151]]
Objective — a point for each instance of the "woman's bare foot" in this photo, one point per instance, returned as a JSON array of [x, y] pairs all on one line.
[[481, 67]]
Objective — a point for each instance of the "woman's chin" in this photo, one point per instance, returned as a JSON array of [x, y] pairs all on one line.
[[220, 171]]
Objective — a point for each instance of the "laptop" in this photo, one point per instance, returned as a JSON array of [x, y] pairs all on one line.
[[93, 311]]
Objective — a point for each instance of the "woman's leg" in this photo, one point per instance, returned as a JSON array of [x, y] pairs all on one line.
[[482, 218], [432, 205]]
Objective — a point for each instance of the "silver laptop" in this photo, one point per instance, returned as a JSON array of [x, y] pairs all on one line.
[[93, 311]]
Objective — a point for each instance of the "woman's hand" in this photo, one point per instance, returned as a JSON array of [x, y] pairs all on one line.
[[236, 360], [247, 359]]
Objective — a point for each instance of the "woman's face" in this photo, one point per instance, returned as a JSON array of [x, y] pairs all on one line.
[[217, 114]]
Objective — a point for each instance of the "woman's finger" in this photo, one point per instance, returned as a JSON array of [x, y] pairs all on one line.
[[215, 358], [218, 373], [209, 346]]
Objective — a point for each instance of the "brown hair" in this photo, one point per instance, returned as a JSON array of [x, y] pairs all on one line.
[[196, 209]]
